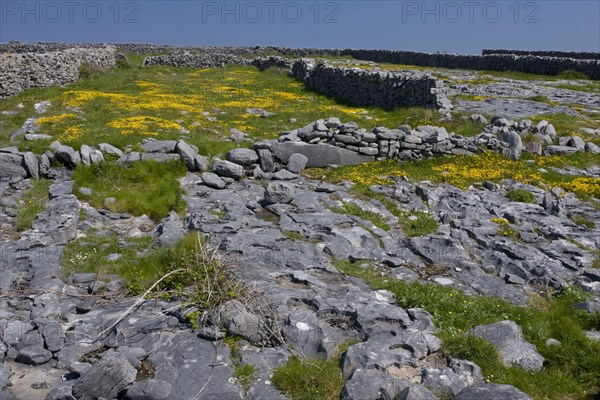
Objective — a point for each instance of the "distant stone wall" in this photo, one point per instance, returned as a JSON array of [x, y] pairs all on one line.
[[188, 60], [579, 55], [19, 71], [363, 88], [494, 62]]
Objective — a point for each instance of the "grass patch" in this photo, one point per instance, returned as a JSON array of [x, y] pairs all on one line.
[[145, 187], [587, 88], [196, 274], [464, 171], [34, 202], [243, 373], [298, 236], [571, 370], [571, 74], [521, 196], [310, 379], [414, 223], [539, 98], [582, 220], [353, 209]]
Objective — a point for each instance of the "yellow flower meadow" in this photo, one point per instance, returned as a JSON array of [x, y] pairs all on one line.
[[54, 119]]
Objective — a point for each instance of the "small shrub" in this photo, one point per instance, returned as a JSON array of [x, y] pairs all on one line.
[[244, 373], [87, 70], [520, 195], [123, 63]]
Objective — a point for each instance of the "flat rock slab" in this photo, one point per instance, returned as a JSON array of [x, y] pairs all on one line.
[[320, 155], [491, 392], [512, 108], [107, 378], [196, 369]]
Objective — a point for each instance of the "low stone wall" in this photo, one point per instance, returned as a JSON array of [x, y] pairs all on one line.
[[579, 55], [363, 88], [535, 62], [188, 60], [19, 71], [493, 62]]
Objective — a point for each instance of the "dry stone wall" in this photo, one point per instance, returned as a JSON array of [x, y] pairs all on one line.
[[19, 71], [579, 55], [363, 88], [493, 62], [535, 62]]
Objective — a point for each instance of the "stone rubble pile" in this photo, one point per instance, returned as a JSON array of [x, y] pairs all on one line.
[[508, 136]]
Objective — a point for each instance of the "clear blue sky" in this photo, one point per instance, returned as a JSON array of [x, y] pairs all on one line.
[[451, 26]]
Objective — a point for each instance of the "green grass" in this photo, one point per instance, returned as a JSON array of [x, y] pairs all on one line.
[[587, 88], [310, 379], [201, 281], [571, 74], [145, 187], [34, 202], [539, 98], [88, 254], [464, 171], [243, 373], [571, 370], [353, 209], [567, 125], [583, 221], [298, 236], [414, 223], [520, 195]]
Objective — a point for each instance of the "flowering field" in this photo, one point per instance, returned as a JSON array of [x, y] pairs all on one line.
[[464, 171], [124, 106]]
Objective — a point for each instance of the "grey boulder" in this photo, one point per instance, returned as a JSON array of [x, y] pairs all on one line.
[[67, 156], [32, 165], [151, 389], [110, 149], [507, 338], [170, 230], [213, 180], [187, 154], [228, 169], [107, 378], [297, 163], [279, 193], [33, 355], [244, 157], [11, 165]]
